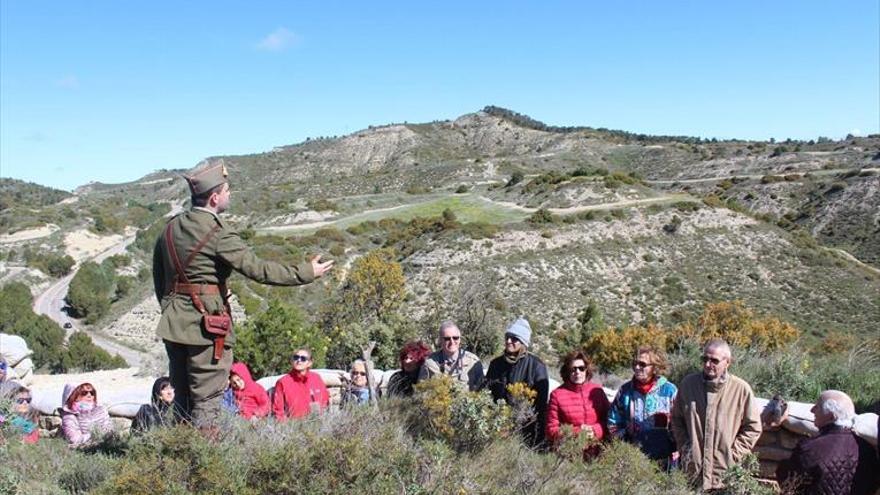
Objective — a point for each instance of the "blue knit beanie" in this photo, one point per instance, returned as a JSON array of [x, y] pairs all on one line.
[[521, 330]]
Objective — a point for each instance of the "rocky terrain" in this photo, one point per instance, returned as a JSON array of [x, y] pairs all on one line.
[[651, 228]]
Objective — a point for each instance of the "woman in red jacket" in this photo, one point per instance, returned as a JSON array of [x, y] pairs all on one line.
[[250, 397], [579, 403], [301, 391]]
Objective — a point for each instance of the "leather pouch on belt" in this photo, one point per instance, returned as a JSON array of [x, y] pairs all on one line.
[[219, 326]]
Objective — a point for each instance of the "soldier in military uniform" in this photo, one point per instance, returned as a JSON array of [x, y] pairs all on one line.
[[206, 250]]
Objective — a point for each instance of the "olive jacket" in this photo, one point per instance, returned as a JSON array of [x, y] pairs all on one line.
[[224, 252]]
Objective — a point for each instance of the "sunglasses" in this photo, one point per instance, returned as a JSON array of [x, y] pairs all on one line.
[[577, 368], [511, 338], [299, 358], [23, 400], [358, 373], [707, 359], [640, 364], [455, 338], [87, 392]]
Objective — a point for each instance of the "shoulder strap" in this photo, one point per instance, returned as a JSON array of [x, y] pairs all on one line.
[[172, 251]]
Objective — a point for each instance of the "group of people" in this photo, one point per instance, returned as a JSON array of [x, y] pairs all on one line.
[[706, 425]]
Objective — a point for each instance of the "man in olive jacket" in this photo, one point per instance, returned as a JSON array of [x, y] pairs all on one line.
[[714, 418], [207, 250]]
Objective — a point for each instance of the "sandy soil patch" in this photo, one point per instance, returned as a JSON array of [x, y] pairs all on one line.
[[82, 244], [29, 234]]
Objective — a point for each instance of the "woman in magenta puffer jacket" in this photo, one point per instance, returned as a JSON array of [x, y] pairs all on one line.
[[578, 402], [82, 419]]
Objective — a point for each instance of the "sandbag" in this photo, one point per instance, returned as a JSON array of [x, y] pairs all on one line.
[[865, 426], [123, 402], [13, 349], [268, 382], [124, 409], [24, 367], [26, 378]]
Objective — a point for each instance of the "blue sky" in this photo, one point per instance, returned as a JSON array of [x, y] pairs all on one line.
[[111, 91]]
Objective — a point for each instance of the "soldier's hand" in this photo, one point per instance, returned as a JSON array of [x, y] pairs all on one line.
[[321, 268]]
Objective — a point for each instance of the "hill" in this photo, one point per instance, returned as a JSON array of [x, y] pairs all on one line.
[[546, 219]]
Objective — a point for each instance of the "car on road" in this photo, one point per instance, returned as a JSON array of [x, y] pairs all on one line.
[[68, 325]]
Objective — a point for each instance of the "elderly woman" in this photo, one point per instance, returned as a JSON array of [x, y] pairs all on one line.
[[641, 410], [358, 391], [24, 419], [81, 416], [412, 356], [160, 411], [578, 402]]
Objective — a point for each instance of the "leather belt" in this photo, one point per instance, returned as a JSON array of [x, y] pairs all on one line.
[[206, 289]]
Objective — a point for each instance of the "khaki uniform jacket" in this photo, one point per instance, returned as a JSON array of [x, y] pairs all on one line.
[[180, 321], [715, 426], [466, 370]]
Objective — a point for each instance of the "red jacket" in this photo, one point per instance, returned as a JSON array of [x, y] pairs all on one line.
[[252, 400], [578, 405], [294, 395]]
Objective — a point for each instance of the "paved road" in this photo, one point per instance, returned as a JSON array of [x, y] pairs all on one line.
[[51, 303]]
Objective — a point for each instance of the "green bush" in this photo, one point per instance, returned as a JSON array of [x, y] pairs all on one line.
[[91, 291], [266, 341], [543, 216], [83, 355]]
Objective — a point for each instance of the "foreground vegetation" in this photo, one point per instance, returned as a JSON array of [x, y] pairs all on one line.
[[441, 442]]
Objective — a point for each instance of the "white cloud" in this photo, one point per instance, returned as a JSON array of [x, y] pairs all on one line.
[[68, 82], [278, 40]]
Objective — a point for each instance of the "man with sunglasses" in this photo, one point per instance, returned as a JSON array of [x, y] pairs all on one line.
[[518, 365], [301, 391], [464, 367], [192, 260], [714, 418]]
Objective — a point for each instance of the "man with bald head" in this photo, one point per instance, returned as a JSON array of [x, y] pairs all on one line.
[[836, 461], [714, 419]]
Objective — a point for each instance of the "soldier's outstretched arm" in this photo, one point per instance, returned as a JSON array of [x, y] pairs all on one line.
[[232, 249]]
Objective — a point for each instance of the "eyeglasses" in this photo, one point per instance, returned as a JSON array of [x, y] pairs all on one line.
[[23, 400], [454, 337], [712, 360], [299, 358], [640, 364], [511, 338], [358, 373], [579, 369], [87, 392]]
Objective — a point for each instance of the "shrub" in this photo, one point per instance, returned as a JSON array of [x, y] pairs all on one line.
[[613, 348], [742, 478], [91, 291], [266, 341], [467, 421], [673, 225], [515, 179], [623, 469], [461, 189], [321, 204], [589, 321], [737, 324], [543, 216], [82, 354]]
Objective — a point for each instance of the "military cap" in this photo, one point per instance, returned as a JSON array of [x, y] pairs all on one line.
[[207, 178]]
